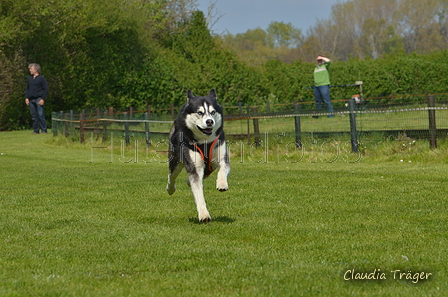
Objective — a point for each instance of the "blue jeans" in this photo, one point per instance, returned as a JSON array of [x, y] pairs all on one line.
[[38, 116], [321, 95]]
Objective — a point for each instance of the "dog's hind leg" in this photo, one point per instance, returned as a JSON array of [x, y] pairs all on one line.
[[221, 181], [224, 168], [171, 185]]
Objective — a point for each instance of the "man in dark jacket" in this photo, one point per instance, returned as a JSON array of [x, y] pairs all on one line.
[[35, 93]]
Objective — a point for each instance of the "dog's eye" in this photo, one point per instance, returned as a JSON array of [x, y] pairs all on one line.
[[200, 113], [213, 113]]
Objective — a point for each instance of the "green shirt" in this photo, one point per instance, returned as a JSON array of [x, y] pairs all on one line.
[[322, 74]]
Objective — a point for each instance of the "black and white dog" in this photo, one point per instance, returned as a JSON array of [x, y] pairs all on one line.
[[197, 142]]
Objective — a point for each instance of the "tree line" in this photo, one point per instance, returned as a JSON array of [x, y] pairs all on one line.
[[119, 53], [355, 28]]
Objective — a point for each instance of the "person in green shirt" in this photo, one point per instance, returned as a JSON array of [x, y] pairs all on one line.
[[322, 84]]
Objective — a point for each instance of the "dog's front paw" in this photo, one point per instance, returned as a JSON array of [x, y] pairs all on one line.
[[222, 186], [222, 189], [204, 217]]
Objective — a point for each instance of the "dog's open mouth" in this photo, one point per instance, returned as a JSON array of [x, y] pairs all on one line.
[[207, 131]]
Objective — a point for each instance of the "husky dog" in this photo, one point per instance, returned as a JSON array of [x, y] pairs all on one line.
[[197, 142]]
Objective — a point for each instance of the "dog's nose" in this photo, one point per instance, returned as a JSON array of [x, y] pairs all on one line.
[[209, 122]]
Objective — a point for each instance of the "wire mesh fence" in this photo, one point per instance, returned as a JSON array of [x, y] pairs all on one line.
[[298, 124]]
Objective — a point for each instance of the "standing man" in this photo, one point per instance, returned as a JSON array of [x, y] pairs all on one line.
[[35, 93], [322, 84]]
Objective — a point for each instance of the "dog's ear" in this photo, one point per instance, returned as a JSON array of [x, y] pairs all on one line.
[[190, 95], [212, 94]]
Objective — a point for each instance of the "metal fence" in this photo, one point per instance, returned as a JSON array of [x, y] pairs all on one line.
[[418, 117]]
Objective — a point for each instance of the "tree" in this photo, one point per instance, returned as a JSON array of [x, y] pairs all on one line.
[[422, 24], [283, 35]]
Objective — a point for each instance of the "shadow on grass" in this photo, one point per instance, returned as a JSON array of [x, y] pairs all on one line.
[[222, 219]]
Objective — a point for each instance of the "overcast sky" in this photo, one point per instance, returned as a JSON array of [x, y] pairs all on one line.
[[240, 15]]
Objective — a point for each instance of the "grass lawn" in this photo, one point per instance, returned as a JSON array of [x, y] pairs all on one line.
[[72, 227]]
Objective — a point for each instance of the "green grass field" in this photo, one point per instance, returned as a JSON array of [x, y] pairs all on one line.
[[76, 226]]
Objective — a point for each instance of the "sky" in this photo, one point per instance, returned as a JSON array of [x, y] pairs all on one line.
[[238, 16]]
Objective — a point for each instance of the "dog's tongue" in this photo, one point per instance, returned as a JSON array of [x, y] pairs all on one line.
[[207, 131]]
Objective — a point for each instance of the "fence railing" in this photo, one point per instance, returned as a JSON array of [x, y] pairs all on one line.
[[423, 117]]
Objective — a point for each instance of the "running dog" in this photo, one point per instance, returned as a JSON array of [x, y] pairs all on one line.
[[197, 142]]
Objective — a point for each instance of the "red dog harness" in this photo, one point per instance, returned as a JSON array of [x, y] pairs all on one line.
[[207, 158]]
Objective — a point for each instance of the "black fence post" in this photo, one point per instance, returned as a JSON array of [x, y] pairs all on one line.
[[66, 125], [54, 128], [61, 122], [297, 125], [127, 136], [353, 132], [257, 129], [148, 137], [97, 122], [104, 137], [72, 116], [248, 124], [432, 122], [81, 126]]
